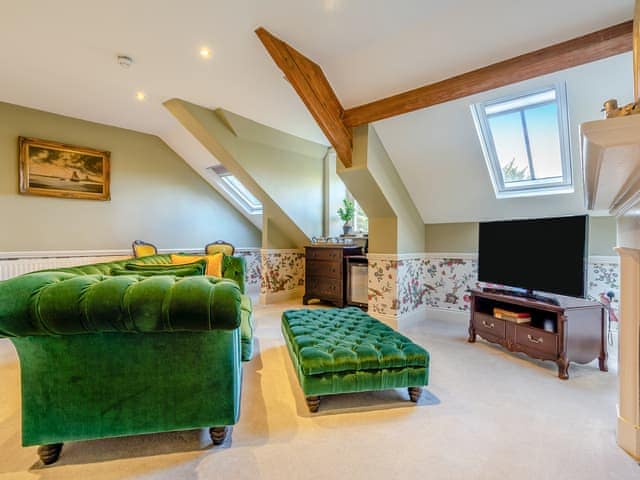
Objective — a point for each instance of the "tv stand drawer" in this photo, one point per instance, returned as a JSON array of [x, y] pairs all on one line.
[[489, 325], [537, 339]]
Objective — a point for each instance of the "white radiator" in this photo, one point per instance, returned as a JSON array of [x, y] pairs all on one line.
[[17, 266]]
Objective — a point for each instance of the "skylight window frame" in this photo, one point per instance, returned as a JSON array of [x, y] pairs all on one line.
[[534, 187], [223, 179]]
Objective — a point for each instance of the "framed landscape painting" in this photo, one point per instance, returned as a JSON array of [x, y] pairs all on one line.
[[57, 170]]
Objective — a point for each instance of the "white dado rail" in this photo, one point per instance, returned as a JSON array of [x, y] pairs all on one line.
[[611, 160]]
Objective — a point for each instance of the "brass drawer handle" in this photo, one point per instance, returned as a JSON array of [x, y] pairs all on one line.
[[535, 340], [488, 325]]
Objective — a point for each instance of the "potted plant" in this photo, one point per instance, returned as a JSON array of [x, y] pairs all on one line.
[[346, 213]]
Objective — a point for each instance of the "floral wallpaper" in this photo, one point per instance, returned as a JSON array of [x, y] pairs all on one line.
[[448, 281], [383, 294], [398, 287], [411, 286], [281, 270], [604, 278]]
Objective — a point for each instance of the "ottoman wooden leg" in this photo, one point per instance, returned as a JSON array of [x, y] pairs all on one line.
[[313, 403], [414, 393], [50, 453], [218, 434]]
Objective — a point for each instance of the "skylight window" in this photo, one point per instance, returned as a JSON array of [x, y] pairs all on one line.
[[525, 142], [235, 189]]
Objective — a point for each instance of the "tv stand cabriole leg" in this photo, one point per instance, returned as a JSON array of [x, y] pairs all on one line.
[[472, 333], [472, 330], [563, 360], [602, 358], [563, 368], [602, 362]]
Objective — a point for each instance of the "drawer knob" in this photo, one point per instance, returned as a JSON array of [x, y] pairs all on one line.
[[535, 340], [488, 325]]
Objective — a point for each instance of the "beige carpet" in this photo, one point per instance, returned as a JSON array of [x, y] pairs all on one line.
[[487, 414]]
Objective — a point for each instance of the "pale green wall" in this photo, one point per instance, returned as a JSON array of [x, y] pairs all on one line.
[[294, 182], [335, 193], [602, 236], [451, 237], [154, 195], [283, 171], [289, 168], [395, 225], [410, 223], [463, 237]]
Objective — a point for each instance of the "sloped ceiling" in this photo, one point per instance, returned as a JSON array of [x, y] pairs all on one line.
[[438, 155], [60, 57]]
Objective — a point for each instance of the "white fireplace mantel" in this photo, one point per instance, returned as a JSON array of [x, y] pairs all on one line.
[[611, 164]]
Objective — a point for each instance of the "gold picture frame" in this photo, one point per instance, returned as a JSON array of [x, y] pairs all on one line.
[[55, 169]]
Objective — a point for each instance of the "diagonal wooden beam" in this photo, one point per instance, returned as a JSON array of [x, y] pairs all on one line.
[[314, 89], [588, 48]]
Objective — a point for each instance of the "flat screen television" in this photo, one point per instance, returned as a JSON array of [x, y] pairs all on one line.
[[547, 254]]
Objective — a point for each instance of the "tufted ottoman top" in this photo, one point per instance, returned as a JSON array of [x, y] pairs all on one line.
[[340, 340]]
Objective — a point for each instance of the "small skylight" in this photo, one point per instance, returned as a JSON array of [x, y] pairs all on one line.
[[525, 142], [236, 190]]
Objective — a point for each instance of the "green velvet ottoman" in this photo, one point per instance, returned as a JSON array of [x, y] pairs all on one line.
[[345, 350]]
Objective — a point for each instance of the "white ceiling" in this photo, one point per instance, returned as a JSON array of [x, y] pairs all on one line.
[[59, 56]]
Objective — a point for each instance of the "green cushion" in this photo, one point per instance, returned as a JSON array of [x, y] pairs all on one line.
[[200, 265], [345, 340], [178, 272]]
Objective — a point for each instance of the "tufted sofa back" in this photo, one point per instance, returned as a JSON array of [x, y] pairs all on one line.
[[63, 303], [233, 268], [87, 299]]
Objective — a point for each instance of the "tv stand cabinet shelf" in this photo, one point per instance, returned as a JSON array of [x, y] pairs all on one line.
[[571, 330]]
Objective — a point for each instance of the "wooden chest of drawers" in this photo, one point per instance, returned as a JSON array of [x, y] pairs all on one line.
[[325, 273]]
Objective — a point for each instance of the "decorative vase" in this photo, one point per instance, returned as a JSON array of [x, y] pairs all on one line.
[[346, 228]]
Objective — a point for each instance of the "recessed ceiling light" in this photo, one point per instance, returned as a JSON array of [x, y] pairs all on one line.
[[205, 52], [141, 96]]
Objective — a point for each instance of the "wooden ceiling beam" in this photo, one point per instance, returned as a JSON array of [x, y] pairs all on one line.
[[588, 48], [314, 89]]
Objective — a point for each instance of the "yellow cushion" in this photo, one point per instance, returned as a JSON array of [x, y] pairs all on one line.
[[214, 262], [144, 250]]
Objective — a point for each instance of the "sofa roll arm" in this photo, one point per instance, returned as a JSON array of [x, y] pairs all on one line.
[[54, 303]]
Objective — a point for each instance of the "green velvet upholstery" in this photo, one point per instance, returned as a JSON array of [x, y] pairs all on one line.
[[346, 350], [105, 353], [50, 303], [112, 384], [246, 328]]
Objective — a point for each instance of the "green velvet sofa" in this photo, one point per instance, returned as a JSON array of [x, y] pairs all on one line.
[[107, 351]]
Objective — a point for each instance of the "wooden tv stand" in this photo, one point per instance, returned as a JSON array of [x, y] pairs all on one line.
[[578, 328]]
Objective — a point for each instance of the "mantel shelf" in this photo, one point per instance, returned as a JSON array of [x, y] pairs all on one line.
[[611, 161]]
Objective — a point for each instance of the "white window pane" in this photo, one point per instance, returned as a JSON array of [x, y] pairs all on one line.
[[544, 140], [240, 189], [510, 146]]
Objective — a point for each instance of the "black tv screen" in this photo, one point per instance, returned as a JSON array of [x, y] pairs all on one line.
[[548, 254]]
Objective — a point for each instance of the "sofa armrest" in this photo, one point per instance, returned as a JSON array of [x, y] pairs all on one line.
[[60, 303], [234, 268]]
